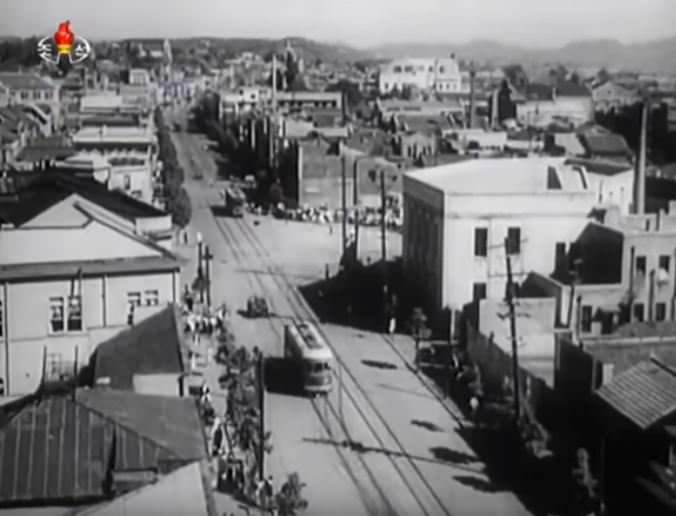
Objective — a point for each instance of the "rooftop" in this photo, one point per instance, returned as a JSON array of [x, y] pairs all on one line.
[[605, 144], [502, 176], [153, 346], [599, 166], [53, 147], [80, 439], [114, 134], [24, 81], [35, 193], [645, 393]]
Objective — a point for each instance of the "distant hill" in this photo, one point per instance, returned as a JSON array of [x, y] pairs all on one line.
[[310, 50], [653, 56]]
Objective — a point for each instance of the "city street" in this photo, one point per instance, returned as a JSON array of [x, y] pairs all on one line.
[[406, 456]]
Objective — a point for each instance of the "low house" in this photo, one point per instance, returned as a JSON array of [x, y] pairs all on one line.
[[544, 104], [111, 443], [27, 88], [610, 96], [102, 265]]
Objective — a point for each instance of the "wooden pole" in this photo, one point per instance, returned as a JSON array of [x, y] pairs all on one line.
[[512, 328], [344, 200], [383, 245]]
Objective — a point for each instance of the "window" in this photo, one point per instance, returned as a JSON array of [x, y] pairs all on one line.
[[127, 182], [74, 313], [664, 262], [152, 297], [513, 240], [660, 311], [586, 317], [56, 314], [480, 241], [640, 265], [48, 95], [560, 256], [479, 291], [24, 95], [36, 95], [639, 312]]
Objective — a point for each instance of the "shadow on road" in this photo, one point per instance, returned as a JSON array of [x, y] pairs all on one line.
[[359, 447], [447, 455], [477, 483], [427, 425], [378, 364], [406, 391]]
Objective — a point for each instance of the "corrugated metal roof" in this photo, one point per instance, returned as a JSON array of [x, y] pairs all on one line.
[[645, 393], [62, 447]]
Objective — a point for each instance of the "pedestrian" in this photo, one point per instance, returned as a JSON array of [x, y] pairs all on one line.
[[185, 237]]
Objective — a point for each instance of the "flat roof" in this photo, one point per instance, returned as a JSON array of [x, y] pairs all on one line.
[[501, 176]]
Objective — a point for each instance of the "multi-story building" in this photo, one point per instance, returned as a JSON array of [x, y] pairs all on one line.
[[619, 269], [610, 95], [442, 75], [26, 88], [132, 152], [460, 219], [543, 105], [75, 268]]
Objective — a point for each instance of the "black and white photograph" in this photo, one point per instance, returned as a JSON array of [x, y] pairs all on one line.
[[338, 258]]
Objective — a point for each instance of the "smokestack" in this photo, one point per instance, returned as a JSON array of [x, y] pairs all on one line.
[[472, 74], [274, 83], [639, 188]]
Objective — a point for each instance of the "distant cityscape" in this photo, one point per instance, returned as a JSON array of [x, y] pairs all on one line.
[[284, 276]]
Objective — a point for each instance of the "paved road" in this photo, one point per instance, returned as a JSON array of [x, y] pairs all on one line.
[[410, 458]]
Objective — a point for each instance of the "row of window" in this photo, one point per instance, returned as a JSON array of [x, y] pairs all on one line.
[[36, 95], [638, 313], [663, 263], [481, 241], [65, 313], [412, 69]]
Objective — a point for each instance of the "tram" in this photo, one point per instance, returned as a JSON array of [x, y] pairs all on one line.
[[235, 200], [310, 357]]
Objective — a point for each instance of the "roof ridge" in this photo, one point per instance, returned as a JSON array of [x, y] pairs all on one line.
[[127, 428], [655, 359]]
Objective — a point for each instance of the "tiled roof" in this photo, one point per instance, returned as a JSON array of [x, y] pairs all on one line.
[[596, 166], [647, 329], [645, 393], [571, 89], [48, 188], [153, 346], [24, 81], [535, 91], [62, 448], [605, 144], [54, 147], [90, 267]]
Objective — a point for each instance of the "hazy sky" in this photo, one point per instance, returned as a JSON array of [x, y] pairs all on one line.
[[541, 23]]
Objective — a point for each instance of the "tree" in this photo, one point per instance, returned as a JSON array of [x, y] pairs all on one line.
[[181, 209]]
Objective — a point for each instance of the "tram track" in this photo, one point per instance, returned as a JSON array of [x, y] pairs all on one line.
[[301, 309], [237, 252]]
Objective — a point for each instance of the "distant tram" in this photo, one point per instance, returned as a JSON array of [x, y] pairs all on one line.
[[235, 200], [310, 356]]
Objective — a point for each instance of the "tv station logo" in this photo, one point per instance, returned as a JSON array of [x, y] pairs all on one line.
[[64, 49]]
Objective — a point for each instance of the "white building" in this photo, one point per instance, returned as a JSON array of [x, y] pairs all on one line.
[[457, 217], [440, 74]]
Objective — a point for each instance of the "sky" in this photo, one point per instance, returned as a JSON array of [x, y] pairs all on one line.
[[359, 23]]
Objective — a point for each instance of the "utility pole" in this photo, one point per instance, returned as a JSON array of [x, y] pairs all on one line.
[[199, 265], [344, 201], [261, 409], [639, 204], [383, 244], [512, 328], [207, 269], [355, 203]]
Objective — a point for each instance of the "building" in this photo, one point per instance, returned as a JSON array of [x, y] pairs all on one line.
[[566, 102], [387, 108], [77, 264], [459, 218], [309, 100], [612, 96], [612, 182], [132, 152], [27, 88], [442, 75], [615, 272], [109, 451]]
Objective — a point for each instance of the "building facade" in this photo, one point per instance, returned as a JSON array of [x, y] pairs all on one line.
[[442, 75], [460, 219], [70, 278]]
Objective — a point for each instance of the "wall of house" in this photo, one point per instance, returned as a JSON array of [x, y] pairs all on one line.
[[140, 181], [577, 109], [105, 311], [614, 189]]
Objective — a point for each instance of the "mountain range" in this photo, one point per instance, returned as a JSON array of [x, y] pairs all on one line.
[[653, 56]]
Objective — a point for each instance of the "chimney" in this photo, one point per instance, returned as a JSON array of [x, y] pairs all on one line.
[[639, 187], [472, 74]]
